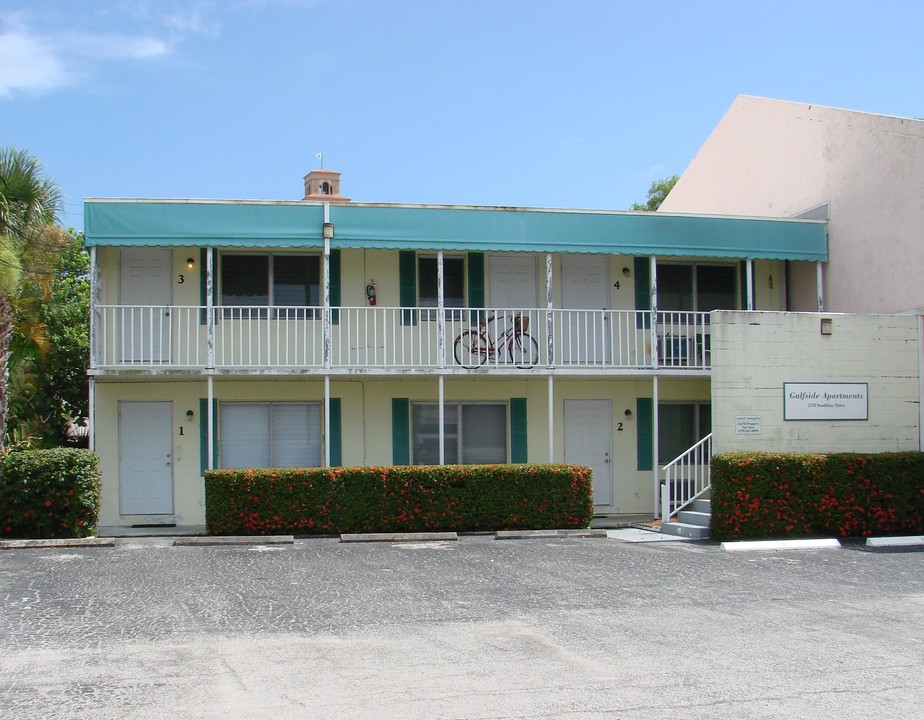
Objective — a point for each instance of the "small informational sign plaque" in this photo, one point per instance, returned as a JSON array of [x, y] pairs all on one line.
[[748, 424], [825, 401]]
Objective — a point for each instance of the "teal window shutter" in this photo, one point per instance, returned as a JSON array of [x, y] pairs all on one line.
[[400, 431], [644, 420], [475, 282], [518, 451], [335, 300], [336, 434], [204, 434], [642, 291], [407, 286]]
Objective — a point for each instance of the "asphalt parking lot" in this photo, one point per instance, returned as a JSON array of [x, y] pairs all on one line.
[[480, 628]]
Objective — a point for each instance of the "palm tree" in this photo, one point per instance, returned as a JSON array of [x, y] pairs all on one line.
[[29, 204]]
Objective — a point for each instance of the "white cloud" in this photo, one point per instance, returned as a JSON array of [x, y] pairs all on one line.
[[40, 61], [28, 63]]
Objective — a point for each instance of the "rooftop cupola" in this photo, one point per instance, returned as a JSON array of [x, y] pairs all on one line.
[[323, 185]]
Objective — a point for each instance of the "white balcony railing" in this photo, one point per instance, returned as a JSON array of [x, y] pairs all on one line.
[[389, 338]]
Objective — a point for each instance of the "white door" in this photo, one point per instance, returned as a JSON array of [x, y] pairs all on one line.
[[144, 286], [145, 458], [588, 441], [585, 292]]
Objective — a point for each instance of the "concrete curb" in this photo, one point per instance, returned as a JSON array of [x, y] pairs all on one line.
[[62, 543], [902, 541], [237, 540], [744, 545], [531, 534], [399, 537]]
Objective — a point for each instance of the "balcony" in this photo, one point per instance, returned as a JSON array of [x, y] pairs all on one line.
[[383, 340]]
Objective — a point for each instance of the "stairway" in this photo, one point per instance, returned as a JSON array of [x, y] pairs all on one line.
[[692, 523]]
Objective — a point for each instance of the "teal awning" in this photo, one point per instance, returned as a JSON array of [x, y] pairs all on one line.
[[451, 228]]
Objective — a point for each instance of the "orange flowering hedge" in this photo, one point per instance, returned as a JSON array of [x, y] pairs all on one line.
[[49, 493], [306, 501], [788, 495]]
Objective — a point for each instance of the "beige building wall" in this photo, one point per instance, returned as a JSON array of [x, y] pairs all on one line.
[[779, 159], [754, 354], [366, 426]]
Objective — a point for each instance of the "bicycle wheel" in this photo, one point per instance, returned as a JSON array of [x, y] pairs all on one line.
[[470, 350], [524, 350]]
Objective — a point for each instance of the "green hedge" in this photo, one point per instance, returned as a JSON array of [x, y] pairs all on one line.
[[768, 495], [307, 501], [49, 493]]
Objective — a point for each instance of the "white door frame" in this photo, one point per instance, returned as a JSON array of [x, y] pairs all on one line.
[[150, 328]]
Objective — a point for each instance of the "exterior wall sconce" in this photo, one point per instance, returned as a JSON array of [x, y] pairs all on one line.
[[190, 263], [827, 326], [327, 231], [370, 292], [189, 414], [628, 412], [625, 271]]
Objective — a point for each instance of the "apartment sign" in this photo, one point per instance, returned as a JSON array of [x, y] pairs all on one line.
[[825, 401]]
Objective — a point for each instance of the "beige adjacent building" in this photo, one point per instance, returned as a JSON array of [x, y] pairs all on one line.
[[864, 172]]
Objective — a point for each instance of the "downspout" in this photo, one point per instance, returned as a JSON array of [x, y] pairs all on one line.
[[920, 382]]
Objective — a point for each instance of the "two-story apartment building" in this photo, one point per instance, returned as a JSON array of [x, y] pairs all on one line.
[[325, 332]]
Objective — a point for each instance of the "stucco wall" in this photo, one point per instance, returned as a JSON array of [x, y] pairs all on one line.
[[754, 354], [778, 159]]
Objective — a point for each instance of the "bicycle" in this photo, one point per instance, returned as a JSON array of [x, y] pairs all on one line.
[[475, 346]]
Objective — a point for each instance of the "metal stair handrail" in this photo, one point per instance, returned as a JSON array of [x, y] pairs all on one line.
[[686, 478]]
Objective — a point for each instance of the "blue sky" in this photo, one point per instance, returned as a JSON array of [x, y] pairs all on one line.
[[551, 104]]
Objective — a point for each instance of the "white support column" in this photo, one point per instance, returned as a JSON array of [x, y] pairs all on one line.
[[654, 444], [820, 286], [327, 421], [441, 349], [94, 300], [653, 273], [551, 420], [440, 315], [209, 309], [91, 415], [210, 424], [442, 420], [325, 285], [749, 279], [549, 332]]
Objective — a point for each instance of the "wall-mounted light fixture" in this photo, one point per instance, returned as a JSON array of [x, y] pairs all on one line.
[[827, 326], [189, 414], [625, 271], [770, 282], [370, 292], [190, 263], [327, 231], [628, 412]]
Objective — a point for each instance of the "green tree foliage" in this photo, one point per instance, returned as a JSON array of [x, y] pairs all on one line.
[[657, 192], [50, 344], [29, 205]]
